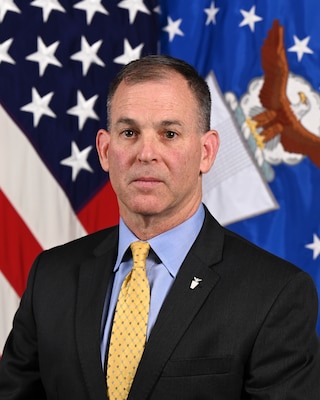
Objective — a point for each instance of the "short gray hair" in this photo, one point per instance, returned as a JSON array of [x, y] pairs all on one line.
[[156, 67]]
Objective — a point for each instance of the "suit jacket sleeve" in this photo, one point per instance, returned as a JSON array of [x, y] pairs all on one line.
[[285, 359], [19, 367]]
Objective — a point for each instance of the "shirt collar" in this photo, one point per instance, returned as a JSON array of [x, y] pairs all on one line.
[[171, 246]]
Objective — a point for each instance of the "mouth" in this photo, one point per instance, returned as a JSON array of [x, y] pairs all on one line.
[[146, 182]]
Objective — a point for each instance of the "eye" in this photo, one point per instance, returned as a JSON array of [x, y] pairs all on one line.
[[170, 134], [128, 133]]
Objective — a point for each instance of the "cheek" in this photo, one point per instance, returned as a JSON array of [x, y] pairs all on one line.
[[119, 166], [187, 162], [184, 171], [117, 158]]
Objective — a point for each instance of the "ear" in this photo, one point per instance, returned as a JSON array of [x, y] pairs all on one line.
[[102, 144], [210, 144]]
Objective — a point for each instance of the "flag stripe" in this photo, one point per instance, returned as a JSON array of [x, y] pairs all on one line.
[[18, 246], [9, 301], [101, 211], [36, 196]]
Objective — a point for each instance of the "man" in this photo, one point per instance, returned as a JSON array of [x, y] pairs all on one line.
[[227, 320]]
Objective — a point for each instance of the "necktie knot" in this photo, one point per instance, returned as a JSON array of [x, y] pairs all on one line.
[[140, 251]]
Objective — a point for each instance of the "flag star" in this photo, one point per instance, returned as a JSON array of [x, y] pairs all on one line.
[[88, 55], [84, 109], [78, 160], [44, 56], [91, 7], [7, 5], [129, 54], [48, 6], [250, 18], [4, 48], [301, 47], [211, 13], [133, 6], [173, 28], [39, 106], [315, 246], [157, 10]]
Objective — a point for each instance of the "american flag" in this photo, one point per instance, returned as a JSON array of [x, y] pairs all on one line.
[[56, 61], [57, 58]]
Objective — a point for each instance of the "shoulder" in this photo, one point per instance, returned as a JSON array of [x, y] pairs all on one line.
[[239, 256], [90, 244], [60, 266], [256, 279], [67, 257]]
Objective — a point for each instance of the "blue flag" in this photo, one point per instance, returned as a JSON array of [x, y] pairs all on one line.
[[265, 57]]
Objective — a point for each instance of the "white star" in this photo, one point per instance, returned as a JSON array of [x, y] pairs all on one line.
[[44, 56], [48, 6], [91, 7], [129, 54], [211, 13], [315, 246], [133, 6], [84, 109], [4, 48], [88, 55], [301, 47], [39, 106], [250, 18], [78, 160], [173, 28], [7, 5]]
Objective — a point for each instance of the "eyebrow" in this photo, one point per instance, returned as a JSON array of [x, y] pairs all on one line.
[[170, 123], [125, 121], [131, 121]]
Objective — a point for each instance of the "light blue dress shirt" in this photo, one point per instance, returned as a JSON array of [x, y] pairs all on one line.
[[163, 263]]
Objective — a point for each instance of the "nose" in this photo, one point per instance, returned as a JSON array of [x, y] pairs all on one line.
[[147, 148]]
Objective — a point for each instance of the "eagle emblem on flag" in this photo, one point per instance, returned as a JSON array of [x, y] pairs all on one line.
[[279, 114]]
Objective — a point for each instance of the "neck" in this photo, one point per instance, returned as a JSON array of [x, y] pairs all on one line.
[[146, 227]]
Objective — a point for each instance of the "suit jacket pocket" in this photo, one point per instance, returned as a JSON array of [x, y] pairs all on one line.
[[197, 366]]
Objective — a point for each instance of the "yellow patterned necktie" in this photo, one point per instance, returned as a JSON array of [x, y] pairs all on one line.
[[129, 329]]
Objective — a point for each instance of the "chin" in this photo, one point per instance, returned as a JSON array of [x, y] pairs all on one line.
[[147, 211], [147, 208]]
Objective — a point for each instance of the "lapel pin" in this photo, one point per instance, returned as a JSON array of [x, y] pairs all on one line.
[[195, 282]]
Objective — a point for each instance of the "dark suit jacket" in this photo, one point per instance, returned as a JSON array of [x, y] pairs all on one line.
[[245, 332]]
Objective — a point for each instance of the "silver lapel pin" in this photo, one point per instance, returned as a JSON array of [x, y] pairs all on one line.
[[195, 282]]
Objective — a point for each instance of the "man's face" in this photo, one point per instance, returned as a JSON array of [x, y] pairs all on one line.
[[154, 152]]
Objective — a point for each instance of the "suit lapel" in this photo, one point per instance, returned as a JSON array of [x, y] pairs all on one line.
[[94, 276], [180, 307]]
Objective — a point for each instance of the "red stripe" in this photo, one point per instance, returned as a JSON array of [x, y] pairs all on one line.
[[18, 246], [101, 212]]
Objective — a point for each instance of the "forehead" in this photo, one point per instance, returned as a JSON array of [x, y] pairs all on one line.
[[170, 90]]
